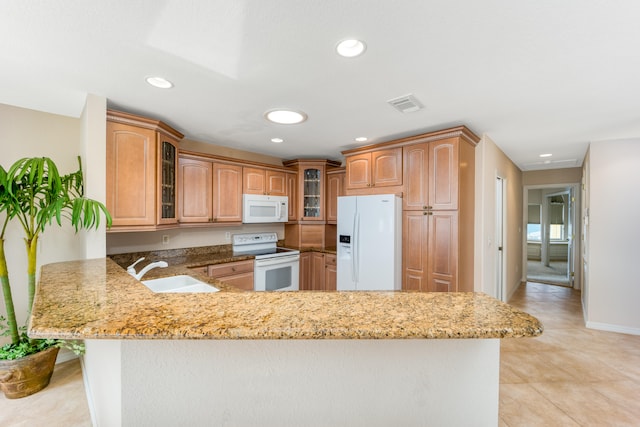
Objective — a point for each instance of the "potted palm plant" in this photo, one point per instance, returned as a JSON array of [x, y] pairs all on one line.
[[33, 192]]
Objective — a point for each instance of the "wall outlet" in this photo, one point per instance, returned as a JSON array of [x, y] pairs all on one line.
[[227, 236], [165, 239]]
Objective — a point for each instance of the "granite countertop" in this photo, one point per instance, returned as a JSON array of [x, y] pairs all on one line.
[[97, 299]]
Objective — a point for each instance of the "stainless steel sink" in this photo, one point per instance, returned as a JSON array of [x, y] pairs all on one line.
[[182, 283]]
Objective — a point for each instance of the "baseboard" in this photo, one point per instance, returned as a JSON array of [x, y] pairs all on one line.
[[513, 291], [88, 394], [613, 328], [65, 355]]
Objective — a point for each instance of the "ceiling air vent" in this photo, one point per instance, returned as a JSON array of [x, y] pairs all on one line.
[[406, 103]]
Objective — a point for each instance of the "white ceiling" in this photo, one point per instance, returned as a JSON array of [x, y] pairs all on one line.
[[536, 76]]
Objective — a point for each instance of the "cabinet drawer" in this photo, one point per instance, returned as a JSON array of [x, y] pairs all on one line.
[[204, 270], [231, 268], [329, 259]]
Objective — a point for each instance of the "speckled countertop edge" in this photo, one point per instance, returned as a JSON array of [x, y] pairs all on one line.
[[97, 299]]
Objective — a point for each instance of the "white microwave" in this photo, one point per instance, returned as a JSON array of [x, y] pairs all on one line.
[[258, 208]]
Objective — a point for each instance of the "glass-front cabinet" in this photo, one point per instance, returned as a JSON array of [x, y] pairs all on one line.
[[168, 173], [312, 194], [311, 188]]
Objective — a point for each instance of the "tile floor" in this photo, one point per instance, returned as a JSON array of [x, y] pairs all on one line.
[[570, 376]]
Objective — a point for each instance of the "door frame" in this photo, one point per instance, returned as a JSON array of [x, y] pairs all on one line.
[[501, 232], [574, 246]]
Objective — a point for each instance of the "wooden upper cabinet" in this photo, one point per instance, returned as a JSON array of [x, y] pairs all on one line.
[[381, 168], [227, 193], [431, 175], [335, 188], [195, 178], [292, 193], [416, 177], [311, 188], [386, 167], [276, 183], [443, 174], [358, 171], [141, 175], [263, 181], [253, 181]]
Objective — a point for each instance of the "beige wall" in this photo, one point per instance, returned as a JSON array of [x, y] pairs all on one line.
[[491, 163], [203, 147], [29, 133], [552, 176]]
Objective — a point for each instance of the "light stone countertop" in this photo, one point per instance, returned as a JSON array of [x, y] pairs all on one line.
[[98, 299]]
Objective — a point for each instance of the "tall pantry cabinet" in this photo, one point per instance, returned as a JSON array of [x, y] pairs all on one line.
[[438, 209]]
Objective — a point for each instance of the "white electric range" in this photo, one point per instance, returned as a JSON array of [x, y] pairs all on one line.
[[275, 268]]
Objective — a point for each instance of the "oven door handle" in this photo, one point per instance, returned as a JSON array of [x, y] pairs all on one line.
[[277, 260]]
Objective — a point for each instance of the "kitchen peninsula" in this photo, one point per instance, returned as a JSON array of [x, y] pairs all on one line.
[[277, 358]]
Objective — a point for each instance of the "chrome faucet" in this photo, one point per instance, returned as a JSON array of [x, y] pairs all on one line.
[[132, 271]]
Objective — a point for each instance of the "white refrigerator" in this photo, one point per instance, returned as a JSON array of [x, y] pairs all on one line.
[[369, 243]]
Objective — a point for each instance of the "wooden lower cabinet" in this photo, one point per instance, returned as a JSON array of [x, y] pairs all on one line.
[[317, 271], [330, 272], [238, 274], [430, 251], [305, 271]]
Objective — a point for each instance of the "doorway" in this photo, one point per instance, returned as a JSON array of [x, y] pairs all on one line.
[[549, 236]]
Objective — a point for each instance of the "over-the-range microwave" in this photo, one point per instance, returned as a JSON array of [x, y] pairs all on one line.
[[259, 208]]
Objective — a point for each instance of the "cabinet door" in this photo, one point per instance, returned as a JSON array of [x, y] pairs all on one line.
[[443, 168], [358, 171], [416, 177], [305, 272], [292, 188], [253, 181], [330, 273], [276, 183], [227, 193], [429, 251], [443, 251], [335, 184], [167, 179], [131, 175], [195, 180], [312, 193], [415, 247], [386, 167], [242, 281], [317, 271]]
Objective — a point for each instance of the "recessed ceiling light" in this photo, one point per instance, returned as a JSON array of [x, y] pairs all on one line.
[[362, 139], [546, 155], [285, 117], [277, 140], [350, 48], [159, 82]]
